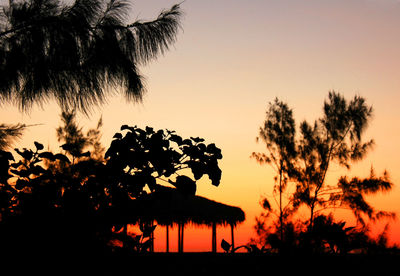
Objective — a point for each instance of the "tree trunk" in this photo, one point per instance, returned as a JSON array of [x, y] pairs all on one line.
[[280, 202], [310, 226]]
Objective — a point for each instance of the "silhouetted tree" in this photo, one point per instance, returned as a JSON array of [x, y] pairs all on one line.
[[94, 140], [77, 53], [75, 141], [336, 137], [278, 135]]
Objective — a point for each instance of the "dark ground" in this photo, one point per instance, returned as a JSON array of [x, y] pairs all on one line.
[[211, 264], [247, 264]]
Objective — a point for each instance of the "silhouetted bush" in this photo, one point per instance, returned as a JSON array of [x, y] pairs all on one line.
[[50, 205]]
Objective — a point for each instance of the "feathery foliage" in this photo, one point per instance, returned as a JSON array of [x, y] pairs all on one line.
[[336, 137], [10, 133], [77, 54], [75, 141], [278, 134], [305, 160]]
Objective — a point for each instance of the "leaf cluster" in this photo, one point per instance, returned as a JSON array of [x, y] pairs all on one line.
[[139, 243], [140, 156]]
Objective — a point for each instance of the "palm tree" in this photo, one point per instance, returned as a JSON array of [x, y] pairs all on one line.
[[78, 53]]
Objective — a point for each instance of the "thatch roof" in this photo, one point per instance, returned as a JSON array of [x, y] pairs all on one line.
[[168, 206]]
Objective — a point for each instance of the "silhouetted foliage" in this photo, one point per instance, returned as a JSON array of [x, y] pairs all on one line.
[[227, 247], [278, 135], [137, 160], [336, 137], [76, 142], [326, 237], [143, 155], [77, 53], [80, 207], [45, 210], [10, 133], [139, 243]]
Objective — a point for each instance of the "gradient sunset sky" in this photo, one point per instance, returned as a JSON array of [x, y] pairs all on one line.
[[233, 57]]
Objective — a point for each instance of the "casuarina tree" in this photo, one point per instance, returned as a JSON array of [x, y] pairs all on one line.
[[9, 133], [334, 139], [77, 144], [337, 137], [77, 53], [278, 135]]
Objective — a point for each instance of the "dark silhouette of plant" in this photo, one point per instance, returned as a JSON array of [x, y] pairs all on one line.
[[76, 142], [336, 137], [94, 140], [227, 247], [351, 194], [142, 156], [10, 133], [139, 243], [80, 206], [77, 53], [141, 160], [278, 135], [269, 237], [328, 236]]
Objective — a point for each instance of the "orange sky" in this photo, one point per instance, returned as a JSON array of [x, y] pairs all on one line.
[[233, 57]]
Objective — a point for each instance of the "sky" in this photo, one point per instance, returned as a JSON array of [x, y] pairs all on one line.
[[231, 59]]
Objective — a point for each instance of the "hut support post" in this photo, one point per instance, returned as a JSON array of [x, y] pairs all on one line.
[[181, 226], [232, 237], [152, 239], [179, 237], [214, 237], [167, 245], [182, 229]]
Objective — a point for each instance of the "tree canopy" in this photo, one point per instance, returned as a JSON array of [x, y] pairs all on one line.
[[77, 54]]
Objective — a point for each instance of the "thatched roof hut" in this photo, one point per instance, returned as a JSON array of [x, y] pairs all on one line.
[[168, 206]]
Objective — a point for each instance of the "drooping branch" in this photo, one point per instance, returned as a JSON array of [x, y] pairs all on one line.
[[79, 54]]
